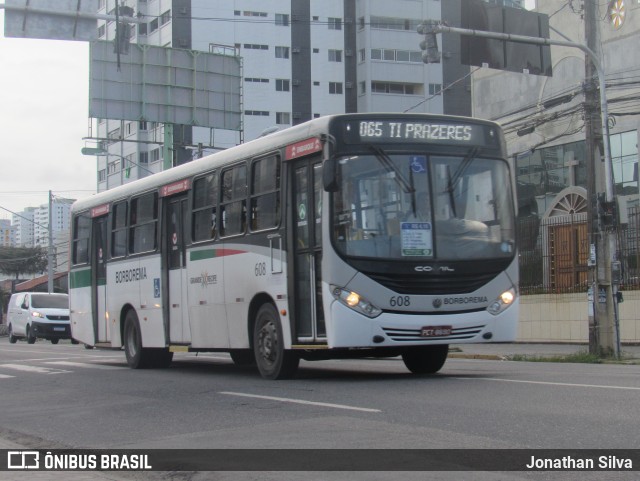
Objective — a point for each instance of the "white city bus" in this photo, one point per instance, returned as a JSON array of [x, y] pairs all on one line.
[[368, 235]]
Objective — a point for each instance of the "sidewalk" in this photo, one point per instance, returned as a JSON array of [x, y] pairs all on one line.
[[503, 351]]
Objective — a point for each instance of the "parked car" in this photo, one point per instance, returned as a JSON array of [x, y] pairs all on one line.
[[34, 315]]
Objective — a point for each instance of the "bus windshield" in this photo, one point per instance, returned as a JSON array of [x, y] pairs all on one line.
[[415, 206]]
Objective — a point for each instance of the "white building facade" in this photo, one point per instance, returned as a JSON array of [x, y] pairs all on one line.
[[301, 59]]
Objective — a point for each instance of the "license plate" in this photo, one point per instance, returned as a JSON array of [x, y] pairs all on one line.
[[435, 331], [59, 329]]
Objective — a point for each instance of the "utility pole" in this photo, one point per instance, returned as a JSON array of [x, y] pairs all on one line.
[[606, 328], [50, 249], [601, 218]]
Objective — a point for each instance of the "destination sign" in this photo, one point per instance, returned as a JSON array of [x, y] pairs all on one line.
[[438, 131]]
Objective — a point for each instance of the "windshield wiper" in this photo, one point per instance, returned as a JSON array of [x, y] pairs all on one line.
[[390, 167], [466, 161]]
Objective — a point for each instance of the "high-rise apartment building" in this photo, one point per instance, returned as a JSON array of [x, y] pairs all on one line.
[[7, 233], [23, 225], [301, 59]]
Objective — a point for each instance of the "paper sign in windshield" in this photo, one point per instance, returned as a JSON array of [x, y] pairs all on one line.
[[416, 238]]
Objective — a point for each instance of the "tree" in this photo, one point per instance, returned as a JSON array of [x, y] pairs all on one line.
[[22, 260]]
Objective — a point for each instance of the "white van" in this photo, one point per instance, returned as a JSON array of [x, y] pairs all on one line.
[[37, 314]]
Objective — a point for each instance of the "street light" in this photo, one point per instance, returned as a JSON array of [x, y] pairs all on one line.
[[97, 151]]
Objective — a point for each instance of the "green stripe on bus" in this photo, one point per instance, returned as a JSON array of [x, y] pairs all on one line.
[[213, 253], [78, 279]]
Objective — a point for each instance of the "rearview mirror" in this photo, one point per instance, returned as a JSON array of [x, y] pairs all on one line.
[[329, 180]]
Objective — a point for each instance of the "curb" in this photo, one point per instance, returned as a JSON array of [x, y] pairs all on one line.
[[486, 357]]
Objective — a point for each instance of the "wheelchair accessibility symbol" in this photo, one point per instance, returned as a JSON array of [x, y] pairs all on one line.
[[418, 164]]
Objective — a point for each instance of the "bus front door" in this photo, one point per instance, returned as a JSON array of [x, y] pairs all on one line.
[[176, 264], [99, 279], [307, 215]]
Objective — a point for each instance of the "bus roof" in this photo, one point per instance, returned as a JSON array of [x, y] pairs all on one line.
[[259, 146]]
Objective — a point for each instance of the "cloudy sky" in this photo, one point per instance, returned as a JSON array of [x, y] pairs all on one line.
[[44, 91]]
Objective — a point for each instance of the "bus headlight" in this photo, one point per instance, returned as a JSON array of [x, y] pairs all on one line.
[[355, 301], [503, 301]]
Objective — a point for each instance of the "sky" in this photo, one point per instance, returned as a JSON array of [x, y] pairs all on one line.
[[44, 115]]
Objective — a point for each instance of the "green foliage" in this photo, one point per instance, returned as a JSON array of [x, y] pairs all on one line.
[[578, 357], [22, 260]]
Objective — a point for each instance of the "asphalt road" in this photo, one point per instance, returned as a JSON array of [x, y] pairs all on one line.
[[66, 396]]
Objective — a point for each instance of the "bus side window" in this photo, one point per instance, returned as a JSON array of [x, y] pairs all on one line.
[[265, 193], [143, 223], [205, 195], [119, 230], [233, 206], [81, 232]]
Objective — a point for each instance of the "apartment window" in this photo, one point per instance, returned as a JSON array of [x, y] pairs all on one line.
[[142, 125], [102, 30], [155, 155], [260, 113], [153, 25], [363, 87], [393, 88], [282, 52], [237, 13], [282, 19], [165, 17], [143, 157], [256, 80], [361, 23], [316, 50], [101, 4], [376, 54], [335, 23], [102, 175], [335, 55], [142, 29], [315, 18], [283, 118], [363, 54], [435, 89], [255, 46], [113, 167], [282, 85], [388, 54], [316, 83], [129, 128], [248, 13], [335, 87]]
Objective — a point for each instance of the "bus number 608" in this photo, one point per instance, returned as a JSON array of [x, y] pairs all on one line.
[[400, 301]]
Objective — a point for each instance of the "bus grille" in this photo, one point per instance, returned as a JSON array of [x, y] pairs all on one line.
[[436, 285], [414, 334], [57, 318]]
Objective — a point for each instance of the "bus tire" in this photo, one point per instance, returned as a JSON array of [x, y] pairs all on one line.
[[425, 359], [12, 338], [31, 338], [273, 360], [54, 341], [137, 356], [243, 357]]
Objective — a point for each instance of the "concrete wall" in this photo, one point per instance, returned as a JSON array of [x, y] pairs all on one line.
[[564, 318]]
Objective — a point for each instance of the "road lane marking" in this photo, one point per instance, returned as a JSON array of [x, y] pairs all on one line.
[[5, 376], [90, 365], [599, 386], [37, 369], [302, 401]]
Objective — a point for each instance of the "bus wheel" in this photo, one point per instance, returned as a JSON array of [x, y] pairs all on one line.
[[55, 341], [242, 357], [425, 359], [12, 339], [137, 356], [31, 338], [274, 362]]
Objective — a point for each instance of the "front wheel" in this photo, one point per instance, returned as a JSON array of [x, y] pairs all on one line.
[[31, 337], [12, 338], [425, 359], [55, 341], [273, 360]]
